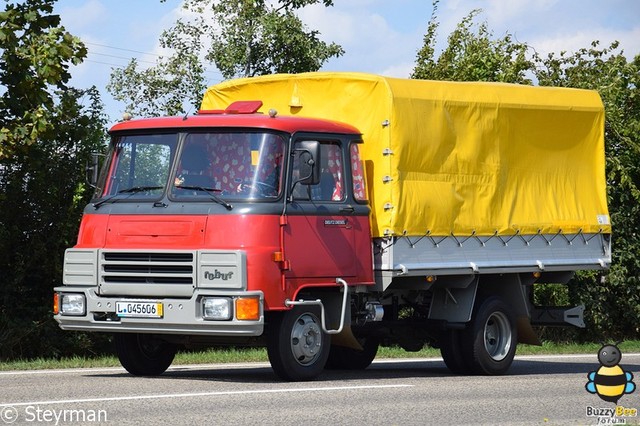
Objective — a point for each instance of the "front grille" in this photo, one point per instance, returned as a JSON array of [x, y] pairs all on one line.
[[147, 257], [147, 268], [147, 280]]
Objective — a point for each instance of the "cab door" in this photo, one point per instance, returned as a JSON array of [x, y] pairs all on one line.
[[320, 235]]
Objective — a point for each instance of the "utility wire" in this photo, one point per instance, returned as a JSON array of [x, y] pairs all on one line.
[[215, 73], [121, 48], [121, 57]]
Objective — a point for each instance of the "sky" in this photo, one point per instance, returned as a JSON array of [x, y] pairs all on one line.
[[378, 36]]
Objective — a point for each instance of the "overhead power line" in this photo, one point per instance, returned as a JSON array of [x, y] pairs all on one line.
[[121, 57], [121, 48], [104, 63], [217, 74]]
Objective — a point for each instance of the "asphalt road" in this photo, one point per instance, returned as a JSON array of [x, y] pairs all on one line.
[[540, 390]]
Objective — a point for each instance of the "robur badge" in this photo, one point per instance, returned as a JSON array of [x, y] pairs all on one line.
[[217, 275]]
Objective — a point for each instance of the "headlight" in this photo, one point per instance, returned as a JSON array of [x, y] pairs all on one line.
[[216, 308], [72, 304]]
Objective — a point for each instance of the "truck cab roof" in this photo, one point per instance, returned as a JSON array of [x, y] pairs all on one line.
[[237, 120]]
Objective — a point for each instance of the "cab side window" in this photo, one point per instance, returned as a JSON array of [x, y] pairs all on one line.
[[331, 184]]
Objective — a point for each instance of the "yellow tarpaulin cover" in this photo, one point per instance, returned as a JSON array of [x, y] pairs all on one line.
[[453, 158]]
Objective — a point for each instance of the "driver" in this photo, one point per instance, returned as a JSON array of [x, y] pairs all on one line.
[[194, 167]]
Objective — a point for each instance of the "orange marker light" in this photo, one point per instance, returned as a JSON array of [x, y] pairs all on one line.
[[248, 308], [56, 303]]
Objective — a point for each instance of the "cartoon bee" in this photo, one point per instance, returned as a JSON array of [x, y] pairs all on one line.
[[610, 382]]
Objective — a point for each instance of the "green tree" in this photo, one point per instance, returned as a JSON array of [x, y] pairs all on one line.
[[256, 39], [35, 56], [174, 81], [473, 54], [614, 306], [49, 132], [240, 37]]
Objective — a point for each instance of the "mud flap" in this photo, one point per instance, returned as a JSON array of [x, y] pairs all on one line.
[[346, 339], [454, 303], [526, 334]]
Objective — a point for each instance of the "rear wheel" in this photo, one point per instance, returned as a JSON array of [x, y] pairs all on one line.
[[344, 358], [489, 344], [144, 355], [452, 352], [296, 345]]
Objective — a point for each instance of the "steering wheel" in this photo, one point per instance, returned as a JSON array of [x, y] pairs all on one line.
[[263, 189]]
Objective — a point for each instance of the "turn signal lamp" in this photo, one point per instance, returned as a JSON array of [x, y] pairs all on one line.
[[56, 303], [248, 308]]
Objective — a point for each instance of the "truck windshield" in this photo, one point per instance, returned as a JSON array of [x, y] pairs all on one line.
[[139, 166], [194, 167], [232, 165]]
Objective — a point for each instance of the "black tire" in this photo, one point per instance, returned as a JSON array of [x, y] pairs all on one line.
[[144, 355], [452, 352], [344, 358], [489, 343], [296, 345]]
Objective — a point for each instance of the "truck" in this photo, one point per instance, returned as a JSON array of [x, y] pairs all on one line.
[[325, 214]]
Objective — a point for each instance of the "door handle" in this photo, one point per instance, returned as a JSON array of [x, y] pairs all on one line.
[[347, 210]]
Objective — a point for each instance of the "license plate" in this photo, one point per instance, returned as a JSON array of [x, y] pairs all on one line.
[[132, 309]]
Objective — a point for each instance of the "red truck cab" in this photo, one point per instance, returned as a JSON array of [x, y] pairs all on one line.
[[202, 227]]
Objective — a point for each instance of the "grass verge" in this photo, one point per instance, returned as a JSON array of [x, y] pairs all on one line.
[[230, 355]]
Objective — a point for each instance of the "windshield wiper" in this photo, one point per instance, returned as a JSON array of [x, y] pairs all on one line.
[[209, 191], [130, 191]]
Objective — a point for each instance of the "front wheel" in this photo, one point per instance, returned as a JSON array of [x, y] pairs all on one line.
[[144, 355], [296, 345], [490, 340]]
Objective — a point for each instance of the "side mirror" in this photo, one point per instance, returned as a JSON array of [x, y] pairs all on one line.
[[92, 169], [308, 156]]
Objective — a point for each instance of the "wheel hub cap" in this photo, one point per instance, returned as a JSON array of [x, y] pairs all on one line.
[[497, 336], [306, 339]]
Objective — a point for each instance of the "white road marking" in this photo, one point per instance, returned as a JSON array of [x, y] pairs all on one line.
[[81, 370], [66, 370], [189, 395], [594, 356]]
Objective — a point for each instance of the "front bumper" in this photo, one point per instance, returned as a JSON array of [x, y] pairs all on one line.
[[180, 315]]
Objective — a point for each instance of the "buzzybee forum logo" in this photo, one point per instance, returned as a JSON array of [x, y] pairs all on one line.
[[610, 382]]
